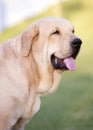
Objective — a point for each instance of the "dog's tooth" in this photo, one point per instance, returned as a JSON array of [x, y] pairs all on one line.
[[56, 60]]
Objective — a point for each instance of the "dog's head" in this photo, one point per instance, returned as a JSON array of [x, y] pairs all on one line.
[[54, 47]]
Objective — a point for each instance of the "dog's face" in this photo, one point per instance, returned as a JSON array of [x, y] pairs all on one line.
[[64, 46], [54, 48]]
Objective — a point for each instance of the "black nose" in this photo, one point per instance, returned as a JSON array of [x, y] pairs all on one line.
[[76, 43]]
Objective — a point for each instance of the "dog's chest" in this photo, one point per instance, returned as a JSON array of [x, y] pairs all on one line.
[[32, 107]]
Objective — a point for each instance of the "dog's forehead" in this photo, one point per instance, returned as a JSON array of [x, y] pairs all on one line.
[[66, 25], [56, 22]]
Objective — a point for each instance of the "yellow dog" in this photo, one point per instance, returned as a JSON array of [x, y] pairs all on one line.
[[31, 65]]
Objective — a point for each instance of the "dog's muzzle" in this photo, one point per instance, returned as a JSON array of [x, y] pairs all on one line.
[[69, 62], [76, 44]]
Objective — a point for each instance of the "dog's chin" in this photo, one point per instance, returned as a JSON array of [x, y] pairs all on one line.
[[67, 63]]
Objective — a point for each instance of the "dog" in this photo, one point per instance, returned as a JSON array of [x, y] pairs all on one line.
[[31, 65]]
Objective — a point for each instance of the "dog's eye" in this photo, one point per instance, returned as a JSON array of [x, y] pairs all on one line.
[[73, 31], [56, 32]]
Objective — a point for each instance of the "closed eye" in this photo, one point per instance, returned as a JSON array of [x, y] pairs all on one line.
[[73, 31], [56, 32]]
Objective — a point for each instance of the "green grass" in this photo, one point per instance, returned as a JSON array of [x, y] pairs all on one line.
[[71, 107]]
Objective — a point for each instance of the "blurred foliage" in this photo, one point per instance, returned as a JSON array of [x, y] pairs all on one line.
[[71, 107]]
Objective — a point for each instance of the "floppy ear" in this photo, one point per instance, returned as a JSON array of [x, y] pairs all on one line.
[[27, 38]]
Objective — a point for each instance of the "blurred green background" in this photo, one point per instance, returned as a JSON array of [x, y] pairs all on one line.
[[71, 107]]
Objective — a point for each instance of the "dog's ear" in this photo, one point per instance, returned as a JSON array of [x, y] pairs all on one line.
[[27, 38]]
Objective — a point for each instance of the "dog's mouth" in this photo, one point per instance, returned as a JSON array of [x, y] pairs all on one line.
[[64, 64], [67, 63]]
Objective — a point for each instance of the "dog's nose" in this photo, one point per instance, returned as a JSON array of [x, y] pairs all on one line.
[[76, 43]]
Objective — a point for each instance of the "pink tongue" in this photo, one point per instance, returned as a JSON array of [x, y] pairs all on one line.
[[70, 63]]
